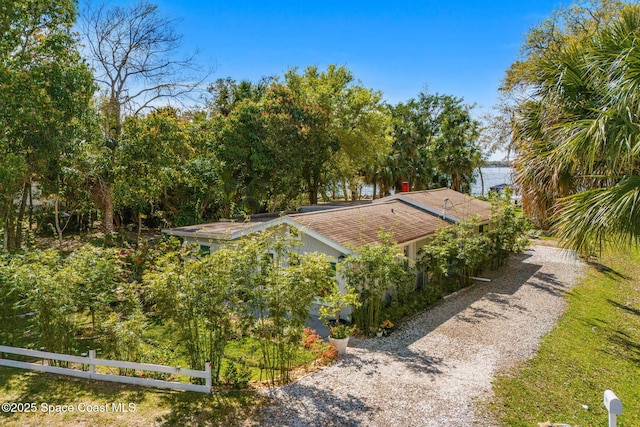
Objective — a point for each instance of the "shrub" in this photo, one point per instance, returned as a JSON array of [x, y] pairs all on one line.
[[376, 270], [237, 374]]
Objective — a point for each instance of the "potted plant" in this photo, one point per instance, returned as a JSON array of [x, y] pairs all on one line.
[[339, 336], [333, 303], [387, 326], [379, 331]]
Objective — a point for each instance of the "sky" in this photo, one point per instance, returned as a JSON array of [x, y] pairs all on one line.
[[398, 47]]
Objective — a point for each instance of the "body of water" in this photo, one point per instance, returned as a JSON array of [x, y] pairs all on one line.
[[492, 176]]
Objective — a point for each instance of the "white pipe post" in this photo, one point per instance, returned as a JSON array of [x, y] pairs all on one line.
[[207, 379], [92, 366]]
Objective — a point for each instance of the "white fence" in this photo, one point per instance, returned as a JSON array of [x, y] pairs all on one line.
[[91, 362]]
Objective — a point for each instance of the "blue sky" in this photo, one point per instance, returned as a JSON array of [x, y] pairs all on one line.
[[399, 47]]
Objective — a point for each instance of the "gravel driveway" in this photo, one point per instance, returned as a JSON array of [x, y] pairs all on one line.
[[433, 368]]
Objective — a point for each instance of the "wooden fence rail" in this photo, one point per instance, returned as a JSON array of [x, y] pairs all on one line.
[[91, 362]]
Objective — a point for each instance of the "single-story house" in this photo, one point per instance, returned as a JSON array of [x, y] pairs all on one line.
[[411, 217]]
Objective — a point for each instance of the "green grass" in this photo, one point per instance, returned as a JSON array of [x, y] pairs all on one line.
[[224, 407], [595, 346], [152, 406]]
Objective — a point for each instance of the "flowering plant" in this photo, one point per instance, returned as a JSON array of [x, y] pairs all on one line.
[[387, 324], [341, 331]]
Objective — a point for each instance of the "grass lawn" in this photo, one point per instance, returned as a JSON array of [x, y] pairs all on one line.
[[152, 406], [224, 407], [595, 346]]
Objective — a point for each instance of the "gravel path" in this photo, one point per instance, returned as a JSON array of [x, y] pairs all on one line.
[[431, 370]]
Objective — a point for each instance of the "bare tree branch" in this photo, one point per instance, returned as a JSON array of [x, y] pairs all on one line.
[[133, 49]]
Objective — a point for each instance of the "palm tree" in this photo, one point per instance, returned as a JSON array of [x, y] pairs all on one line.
[[579, 138]]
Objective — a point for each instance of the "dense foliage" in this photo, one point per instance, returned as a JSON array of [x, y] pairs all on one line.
[[258, 291], [45, 90], [575, 128], [120, 159], [460, 251], [376, 273]]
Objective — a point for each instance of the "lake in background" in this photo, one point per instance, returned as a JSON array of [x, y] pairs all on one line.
[[492, 176]]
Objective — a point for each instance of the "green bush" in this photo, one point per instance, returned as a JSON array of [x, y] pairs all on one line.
[[237, 374]]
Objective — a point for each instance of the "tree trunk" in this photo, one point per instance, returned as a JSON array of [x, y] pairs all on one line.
[[18, 227], [101, 192], [30, 207], [312, 188], [313, 194], [345, 192], [56, 207], [139, 227], [7, 224], [455, 181], [481, 182], [107, 207], [375, 187], [355, 190]]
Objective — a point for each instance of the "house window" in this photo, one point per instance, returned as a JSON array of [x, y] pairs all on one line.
[[482, 228]]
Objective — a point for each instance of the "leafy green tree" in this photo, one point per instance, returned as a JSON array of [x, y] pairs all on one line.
[[227, 93], [133, 51], [458, 251], [363, 128], [540, 182], [435, 144], [563, 27], [264, 147], [507, 229], [349, 127], [455, 150], [375, 271], [152, 150], [461, 251], [579, 159], [246, 158], [201, 295], [262, 281], [410, 160], [290, 283], [197, 193], [45, 88]]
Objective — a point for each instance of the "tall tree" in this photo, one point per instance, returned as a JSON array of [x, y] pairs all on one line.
[[133, 51], [579, 140], [435, 143], [455, 149], [320, 92], [542, 42], [350, 129], [414, 129], [45, 87], [152, 149], [227, 93]]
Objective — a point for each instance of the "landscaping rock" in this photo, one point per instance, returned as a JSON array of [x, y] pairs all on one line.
[[435, 368]]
